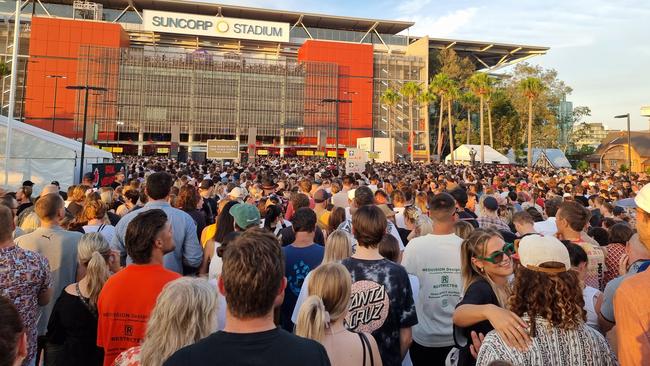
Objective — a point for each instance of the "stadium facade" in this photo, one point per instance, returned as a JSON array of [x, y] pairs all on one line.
[[178, 73]]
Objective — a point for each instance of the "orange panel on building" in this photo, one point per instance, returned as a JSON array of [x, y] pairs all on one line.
[[355, 82], [54, 50]]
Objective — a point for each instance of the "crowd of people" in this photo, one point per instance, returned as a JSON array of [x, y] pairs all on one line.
[[287, 261]]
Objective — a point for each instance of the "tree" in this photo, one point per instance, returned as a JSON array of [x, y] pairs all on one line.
[[468, 101], [480, 85], [580, 132], [411, 90], [531, 88], [450, 95], [582, 166], [425, 99], [390, 98], [5, 69], [439, 86]]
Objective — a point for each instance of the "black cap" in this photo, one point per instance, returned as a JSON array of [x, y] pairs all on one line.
[[28, 183], [56, 183], [90, 176], [491, 203]]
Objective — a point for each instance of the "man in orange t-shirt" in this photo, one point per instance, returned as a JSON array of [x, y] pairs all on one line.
[[632, 298], [129, 296]]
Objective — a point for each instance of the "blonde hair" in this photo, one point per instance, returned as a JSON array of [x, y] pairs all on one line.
[[30, 222], [337, 247], [463, 229], [329, 291], [93, 253], [184, 313], [421, 201]]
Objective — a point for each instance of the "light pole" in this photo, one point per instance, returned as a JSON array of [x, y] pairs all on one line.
[[83, 137], [629, 145], [119, 123], [56, 84], [336, 103], [350, 119]]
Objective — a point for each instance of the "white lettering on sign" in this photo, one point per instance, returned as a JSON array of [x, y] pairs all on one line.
[[213, 26]]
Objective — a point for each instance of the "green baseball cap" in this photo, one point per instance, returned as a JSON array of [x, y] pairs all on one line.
[[245, 215]]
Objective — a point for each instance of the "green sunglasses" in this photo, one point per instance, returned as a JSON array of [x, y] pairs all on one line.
[[498, 256]]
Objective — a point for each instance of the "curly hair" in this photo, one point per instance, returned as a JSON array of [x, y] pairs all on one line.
[[551, 297]]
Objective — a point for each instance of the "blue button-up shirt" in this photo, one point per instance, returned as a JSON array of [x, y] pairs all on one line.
[[188, 250]]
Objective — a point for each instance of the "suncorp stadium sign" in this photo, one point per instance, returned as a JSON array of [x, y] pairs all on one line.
[[213, 26]]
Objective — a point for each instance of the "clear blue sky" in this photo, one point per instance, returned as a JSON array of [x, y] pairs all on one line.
[[600, 48]]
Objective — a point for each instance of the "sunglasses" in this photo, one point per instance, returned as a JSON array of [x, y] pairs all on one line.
[[499, 256]]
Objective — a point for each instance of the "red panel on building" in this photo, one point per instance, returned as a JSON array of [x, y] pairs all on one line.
[[54, 50], [355, 71]]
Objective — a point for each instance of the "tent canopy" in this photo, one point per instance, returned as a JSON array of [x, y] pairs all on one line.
[[554, 157], [42, 156], [462, 155]]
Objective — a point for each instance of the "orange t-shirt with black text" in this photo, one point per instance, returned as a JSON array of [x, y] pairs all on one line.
[[124, 306]]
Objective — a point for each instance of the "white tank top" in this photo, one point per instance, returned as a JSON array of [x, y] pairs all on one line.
[[590, 294]]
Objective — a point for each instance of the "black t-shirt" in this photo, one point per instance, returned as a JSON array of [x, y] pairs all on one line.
[[469, 216], [381, 304], [478, 293], [404, 235], [269, 348]]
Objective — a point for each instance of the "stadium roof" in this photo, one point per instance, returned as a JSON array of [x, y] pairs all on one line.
[[235, 11]]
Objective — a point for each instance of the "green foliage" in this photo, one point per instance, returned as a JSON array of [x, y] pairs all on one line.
[[647, 171], [586, 150], [389, 97], [4, 69], [448, 62], [410, 89], [582, 166], [623, 168]]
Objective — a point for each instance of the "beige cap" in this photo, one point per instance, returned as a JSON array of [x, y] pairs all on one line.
[[642, 198], [535, 250]]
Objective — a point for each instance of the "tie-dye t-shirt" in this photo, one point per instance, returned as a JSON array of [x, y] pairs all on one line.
[[298, 263], [381, 304]]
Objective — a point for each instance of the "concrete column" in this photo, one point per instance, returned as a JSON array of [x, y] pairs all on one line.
[[140, 142]]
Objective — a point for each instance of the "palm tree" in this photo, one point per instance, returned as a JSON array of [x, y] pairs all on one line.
[[450, 95], [439, 85], [390, 98], [479, 84], [468, 100], [488, 104], [5, 69], [424, 99], [531, 88], [411, 90]]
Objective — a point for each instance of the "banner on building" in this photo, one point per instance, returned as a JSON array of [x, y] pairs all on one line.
[[223, 149], [104, 173]]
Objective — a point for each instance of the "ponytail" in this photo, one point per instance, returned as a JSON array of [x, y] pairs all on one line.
[[312, 319], [97, 273]]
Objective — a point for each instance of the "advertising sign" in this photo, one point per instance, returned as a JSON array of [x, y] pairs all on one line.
[[223, 149], [355, 161], [105, 173], [214, 26]]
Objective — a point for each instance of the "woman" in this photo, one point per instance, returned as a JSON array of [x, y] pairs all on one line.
[[485, 269], [337, 248], [174, 324], [131, 197], [73, 323], [211, 264], [94, 213], [76, 199], [619, 235], [190, 201], [546, 295], [322, 316], [273, 220], [417, 223], [592, 296], [336, 218]]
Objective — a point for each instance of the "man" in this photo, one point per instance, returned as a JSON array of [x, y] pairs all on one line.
[[572, 218], [524, 224], [340, 199], [13, 348], [89, 180], [56, 244], [188, 252], [236, 194], [25, 283], [382, 298], [287, 235], [460, 195], [321, 200], [489, 217], [302, 256], [435, 260], [631, 307], [119, 180], [127, 298], [24, 198], [206, 190], [246, 216], [253, 283], [548, 227]]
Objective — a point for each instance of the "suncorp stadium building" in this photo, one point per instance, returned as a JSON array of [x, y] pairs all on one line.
[[172, 74]]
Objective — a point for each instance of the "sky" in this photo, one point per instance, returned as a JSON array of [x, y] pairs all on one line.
[[601, 48]]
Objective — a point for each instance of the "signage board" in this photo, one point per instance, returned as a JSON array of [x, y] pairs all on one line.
[[262, 152], [104, 173], [331, 154], [355, 161], [223, 149], [305, 153], [214, 26]]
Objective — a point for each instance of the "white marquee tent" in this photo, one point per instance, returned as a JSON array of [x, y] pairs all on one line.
[[462, 155], [42, 156]]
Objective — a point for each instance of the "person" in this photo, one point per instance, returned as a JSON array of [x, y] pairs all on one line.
[[57, 245], [340, 198], [94, 213], [273, 220], [301, 257], [190, 201], [73, 323], [464, 214], [337, 248], [253, 284], [322, 317], [13, 344], [435, 260], [175, 324], [24, 198], [631, 299], [131, 197], [188, 252], [118, 180], [127, 298], [211, 264], [399, 206], [380, 288], [572, 218], [209, 206], [619, 234], [548, 227], [463, 229], [321, 201], [486, 267], [592, 296], [489, 217], [545, 296], [337, 217], [524, 224], [12, 204], [76, 199], [25, 283]]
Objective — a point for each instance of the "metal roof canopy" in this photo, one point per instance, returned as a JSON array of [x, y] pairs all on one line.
[[234, 11], [488, 55]]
